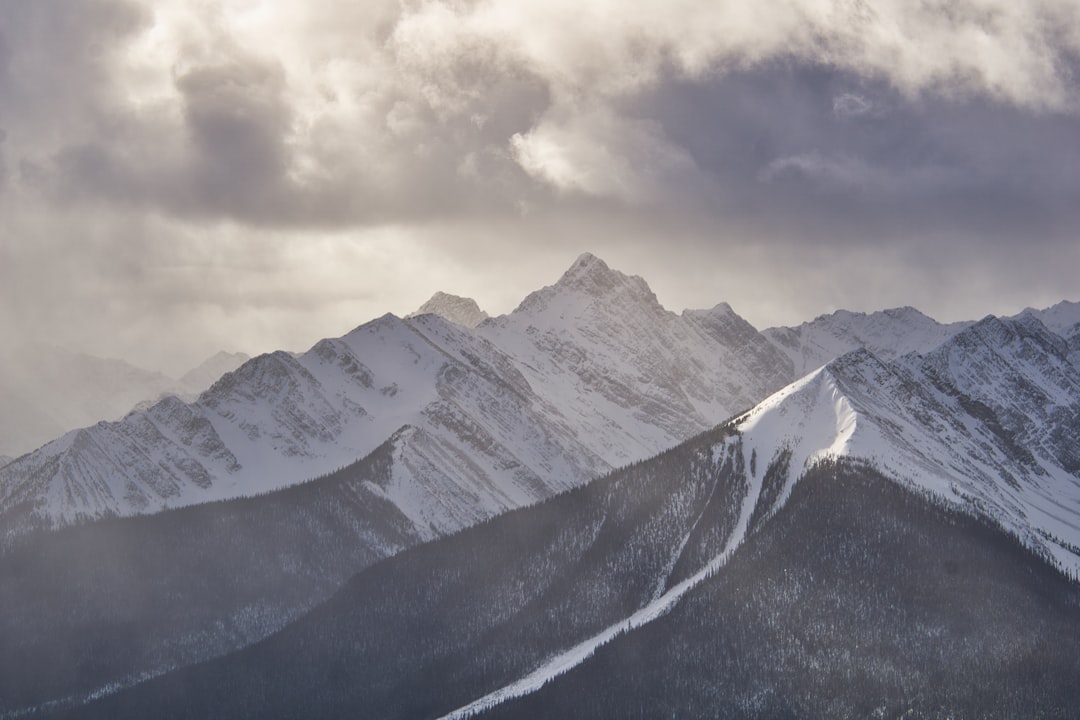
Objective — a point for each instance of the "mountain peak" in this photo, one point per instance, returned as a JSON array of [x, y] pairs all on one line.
[[591, 275], [456, 309], [589, 279]]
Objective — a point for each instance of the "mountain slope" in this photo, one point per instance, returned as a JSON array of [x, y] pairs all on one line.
[[438, 623], [857, 600], [985, 421], [456, 309], [279, 419], [585, 375], [886, 333], [616, 361], [104, 604], [740, 549], [1061, 319]]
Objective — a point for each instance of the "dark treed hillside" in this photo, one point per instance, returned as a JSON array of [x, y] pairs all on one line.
[[89, 606], [440, 624], [858, 599]]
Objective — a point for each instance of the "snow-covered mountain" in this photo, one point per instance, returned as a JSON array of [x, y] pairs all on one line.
[[987, 422], [1063, 318], [602, 346], [456, 309], [45, 391], [886, 333], [837, 551], [851, 519], [586, 375], [5, 459], [280, 419]]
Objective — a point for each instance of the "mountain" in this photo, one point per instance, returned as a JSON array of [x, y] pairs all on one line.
[[615, 360], [106, 604], [206, 373], [481, 435], [886, 333], [984, 422], [456, 309], [894, 514], [5, 459], [873, 540], [1062, 319], [46, 391], [586, 375]]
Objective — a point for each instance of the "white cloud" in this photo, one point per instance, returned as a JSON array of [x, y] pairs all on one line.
[[602, 154]]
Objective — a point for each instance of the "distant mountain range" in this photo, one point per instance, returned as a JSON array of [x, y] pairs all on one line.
[[866, 515], [45, 391], [601, 375]]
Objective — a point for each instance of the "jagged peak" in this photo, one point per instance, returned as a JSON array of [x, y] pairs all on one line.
[[589, 272], [904, 312], [384, 323], [591, 277], [455, 308], [721, 309]]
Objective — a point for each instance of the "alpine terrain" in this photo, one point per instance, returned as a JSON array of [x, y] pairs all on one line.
[[877, 539], [588, 507]]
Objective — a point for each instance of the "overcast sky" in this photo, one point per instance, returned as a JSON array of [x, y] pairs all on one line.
[[183, 176]]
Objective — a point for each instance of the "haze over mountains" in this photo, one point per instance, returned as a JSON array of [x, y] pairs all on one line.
[[938, 459], [46, 391]]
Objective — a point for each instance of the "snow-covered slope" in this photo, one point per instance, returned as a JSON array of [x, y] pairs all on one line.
[[480, 441], [456, 309], [1062, 319], [586, 375], [615, 361], [886, 333], [987, 421]]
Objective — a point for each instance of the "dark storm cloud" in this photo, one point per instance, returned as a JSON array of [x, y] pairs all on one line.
[[881, 169], [231, 135], [162, 156]]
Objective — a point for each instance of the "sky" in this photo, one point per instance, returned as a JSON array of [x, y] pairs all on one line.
[[179, 177]]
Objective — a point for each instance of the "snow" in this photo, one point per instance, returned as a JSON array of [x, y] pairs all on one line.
[[1061, 318], [657, 608], [887, 333], [900, 418], [456, 309], [588, 374]]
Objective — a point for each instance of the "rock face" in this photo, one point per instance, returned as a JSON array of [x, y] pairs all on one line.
[[456, 309]]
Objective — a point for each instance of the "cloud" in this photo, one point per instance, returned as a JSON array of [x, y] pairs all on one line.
[[218, 154], [310, 114], [851, 105], [601, 154]]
